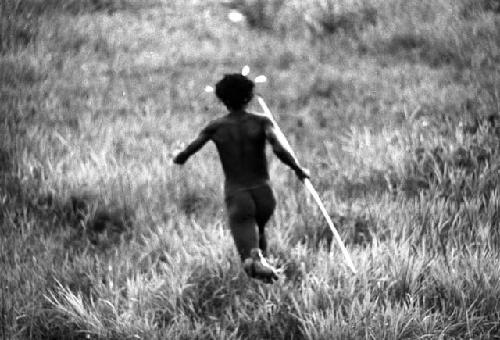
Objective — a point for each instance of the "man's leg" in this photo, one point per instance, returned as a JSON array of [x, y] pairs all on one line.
[[241, 211], [265, 204]]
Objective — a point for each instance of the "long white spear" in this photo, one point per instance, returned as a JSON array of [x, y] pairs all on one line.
[[311, 190]]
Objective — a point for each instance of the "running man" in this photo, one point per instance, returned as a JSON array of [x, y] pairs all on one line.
[[240, 138]]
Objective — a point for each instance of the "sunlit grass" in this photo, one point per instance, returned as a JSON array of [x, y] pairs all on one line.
[[103, 237]]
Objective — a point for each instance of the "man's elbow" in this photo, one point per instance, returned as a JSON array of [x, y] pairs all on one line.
[[278, 150], [283, 156]]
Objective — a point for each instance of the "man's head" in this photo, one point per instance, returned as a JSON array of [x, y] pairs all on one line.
[[235, 91]]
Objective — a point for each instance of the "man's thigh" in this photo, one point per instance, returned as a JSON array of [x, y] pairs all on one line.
[[265, 203], [240, 206], [241, 213]]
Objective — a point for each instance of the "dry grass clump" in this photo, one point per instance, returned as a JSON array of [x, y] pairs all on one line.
[[259, 14], [326, 18], [21, 19], [475, 8], [457, 33]]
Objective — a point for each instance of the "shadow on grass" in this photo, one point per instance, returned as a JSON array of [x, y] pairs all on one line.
[[456, 45], [87, 218], [414, 47], [41, 234]]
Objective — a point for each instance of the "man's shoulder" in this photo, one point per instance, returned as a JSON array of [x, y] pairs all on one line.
[[213, 126], [217, 122], [228, 121], [260, 117]]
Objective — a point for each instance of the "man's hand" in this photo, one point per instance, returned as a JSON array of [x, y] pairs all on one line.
[[180, 159], [302, 173], [178, 154]]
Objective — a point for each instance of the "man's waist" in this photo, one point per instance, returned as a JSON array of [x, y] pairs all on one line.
[[234, 186]]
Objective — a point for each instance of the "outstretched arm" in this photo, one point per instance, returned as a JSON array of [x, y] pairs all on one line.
[[283, 150], [195, 145]]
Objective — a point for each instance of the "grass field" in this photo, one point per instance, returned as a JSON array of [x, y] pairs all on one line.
[[393, 106]]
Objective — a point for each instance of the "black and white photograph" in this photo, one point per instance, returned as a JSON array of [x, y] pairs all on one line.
[[249, 169]]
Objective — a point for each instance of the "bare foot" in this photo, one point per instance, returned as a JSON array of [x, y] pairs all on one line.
[[257, 267]]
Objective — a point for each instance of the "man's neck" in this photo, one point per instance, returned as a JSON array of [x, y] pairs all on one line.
[[238, 112]]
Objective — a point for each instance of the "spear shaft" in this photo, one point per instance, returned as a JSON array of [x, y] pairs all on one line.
[[311, 190]]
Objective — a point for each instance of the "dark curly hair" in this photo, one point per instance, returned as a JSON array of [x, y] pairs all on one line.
[[234, 90]]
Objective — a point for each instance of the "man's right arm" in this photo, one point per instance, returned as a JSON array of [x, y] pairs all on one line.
[[283, 150], [195, 145]]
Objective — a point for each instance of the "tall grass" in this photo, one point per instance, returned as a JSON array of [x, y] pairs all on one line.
[[392, 105]]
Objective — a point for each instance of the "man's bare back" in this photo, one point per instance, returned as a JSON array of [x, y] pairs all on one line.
[[240, 138]]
